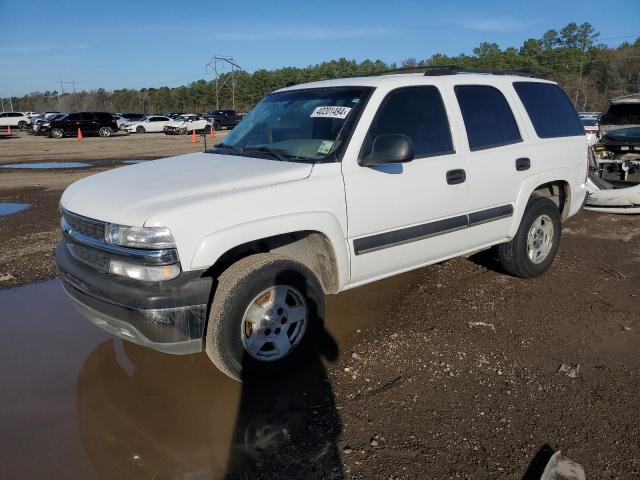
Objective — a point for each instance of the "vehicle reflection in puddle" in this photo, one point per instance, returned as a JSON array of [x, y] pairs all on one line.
[[9, 208], [46, 165], [137, 413]]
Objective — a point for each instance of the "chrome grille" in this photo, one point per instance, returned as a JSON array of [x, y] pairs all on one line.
[[85, 226], [90, 256]]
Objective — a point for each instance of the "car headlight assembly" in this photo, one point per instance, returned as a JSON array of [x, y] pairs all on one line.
[[139, 237]]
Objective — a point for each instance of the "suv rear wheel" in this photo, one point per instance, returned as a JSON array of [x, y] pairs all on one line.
[[532, 250], [266, 310]]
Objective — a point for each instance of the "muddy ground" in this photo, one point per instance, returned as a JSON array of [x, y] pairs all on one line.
[[447, 372], [27, 239]]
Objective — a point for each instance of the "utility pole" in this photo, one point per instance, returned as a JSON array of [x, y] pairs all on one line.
[[218, 64], [11, 101], [75, 96]]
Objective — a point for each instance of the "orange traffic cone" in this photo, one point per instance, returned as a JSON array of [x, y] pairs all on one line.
[[212, 132], [9, 127], [194, 139], [79, 135]]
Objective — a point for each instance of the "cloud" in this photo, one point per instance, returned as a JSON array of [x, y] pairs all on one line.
[[43, 47], [300, 33], [496, 24]]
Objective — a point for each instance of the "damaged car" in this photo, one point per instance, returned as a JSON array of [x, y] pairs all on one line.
[[186, 124]]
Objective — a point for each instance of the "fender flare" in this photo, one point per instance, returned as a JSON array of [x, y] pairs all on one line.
[[215, 244], [528, 187]]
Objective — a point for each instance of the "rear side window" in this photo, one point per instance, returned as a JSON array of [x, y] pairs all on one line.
[[487, 117], [419, 113], [550, 110]]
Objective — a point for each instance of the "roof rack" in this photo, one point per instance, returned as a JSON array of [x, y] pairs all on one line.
[[437, 70]]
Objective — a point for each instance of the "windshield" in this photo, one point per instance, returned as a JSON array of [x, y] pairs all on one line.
[[629, 134], [180, 119], [297, 125]]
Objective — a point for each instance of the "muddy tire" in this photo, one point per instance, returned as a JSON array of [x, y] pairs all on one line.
[[140, 129], [57, 133], [265, 313], [532, 250]]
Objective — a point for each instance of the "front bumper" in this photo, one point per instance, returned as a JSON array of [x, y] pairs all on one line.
[[165, 316]]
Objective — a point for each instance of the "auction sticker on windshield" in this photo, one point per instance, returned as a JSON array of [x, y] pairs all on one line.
[[331, 112], [325, 147]]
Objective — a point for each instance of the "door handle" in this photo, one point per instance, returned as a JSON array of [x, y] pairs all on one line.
[[456, 176], [523, 164]]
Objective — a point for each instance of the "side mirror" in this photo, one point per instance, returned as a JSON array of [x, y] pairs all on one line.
[[391, 148]]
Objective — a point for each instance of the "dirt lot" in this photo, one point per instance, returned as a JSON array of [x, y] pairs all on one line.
[[27, 239], [448, 372]]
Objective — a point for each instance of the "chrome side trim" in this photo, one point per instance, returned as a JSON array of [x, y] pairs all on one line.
[[147, 257]]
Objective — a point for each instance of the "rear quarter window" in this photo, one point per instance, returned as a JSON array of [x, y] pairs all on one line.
[[550, 110]]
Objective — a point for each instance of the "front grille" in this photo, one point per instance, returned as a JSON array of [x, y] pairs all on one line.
[[90, 256], [85, 226]]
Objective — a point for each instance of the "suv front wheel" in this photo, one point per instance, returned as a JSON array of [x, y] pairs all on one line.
[[531, 252], [265, 312]]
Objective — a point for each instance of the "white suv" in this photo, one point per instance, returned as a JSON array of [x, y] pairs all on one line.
[[321, 188], [14, 119]]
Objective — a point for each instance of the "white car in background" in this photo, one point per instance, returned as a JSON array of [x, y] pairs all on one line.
[[186, 124], [14, 119], [152, 123]]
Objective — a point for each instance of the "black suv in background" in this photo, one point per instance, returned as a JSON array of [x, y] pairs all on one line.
[[223, 118], [89, 123]]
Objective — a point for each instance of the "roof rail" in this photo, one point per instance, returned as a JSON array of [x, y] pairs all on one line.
[[437, 70]]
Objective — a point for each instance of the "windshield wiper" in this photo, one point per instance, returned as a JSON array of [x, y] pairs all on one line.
[[275, 153]]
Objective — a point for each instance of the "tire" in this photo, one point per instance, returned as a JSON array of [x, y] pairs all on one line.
[[207, 129], [57, 133], [520, 257], [183, 131], [105, 132], [140, 129], [22, 124], [250, 284]]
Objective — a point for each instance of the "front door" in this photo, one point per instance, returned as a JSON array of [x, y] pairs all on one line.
[[404, 215]]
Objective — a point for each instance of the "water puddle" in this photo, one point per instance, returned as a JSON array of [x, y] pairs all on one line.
[[116, 410], [8, 208], [46, 165]]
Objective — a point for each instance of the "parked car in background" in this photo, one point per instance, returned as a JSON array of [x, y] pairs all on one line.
[[120, 120], [132, 117], [223, 118], [150, 124], [31, 114], [322, 187], [173, 114], [186, 124], [41, 125], [622, 112], [590, 125], [89, 123], [14, 119]]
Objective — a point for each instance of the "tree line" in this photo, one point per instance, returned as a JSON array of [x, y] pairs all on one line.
[[589, 71]]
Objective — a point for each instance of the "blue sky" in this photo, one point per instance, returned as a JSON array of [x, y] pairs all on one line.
[[152, 43]]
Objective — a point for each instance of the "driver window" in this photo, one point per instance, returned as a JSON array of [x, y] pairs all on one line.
[[417, 112]]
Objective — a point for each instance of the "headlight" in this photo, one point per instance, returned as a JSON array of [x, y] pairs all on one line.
[[139, 237], [144, 272]]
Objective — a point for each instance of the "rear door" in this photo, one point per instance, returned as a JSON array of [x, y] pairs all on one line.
[[497, 157], [401, 216]]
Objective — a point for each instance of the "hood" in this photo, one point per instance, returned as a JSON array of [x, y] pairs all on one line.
[[175, 123], [129, 195]]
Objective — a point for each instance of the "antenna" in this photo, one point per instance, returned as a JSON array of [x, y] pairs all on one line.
[[224, 70]]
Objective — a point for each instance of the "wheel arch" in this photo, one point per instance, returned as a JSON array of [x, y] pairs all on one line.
[[316, 242], [554, 185]]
